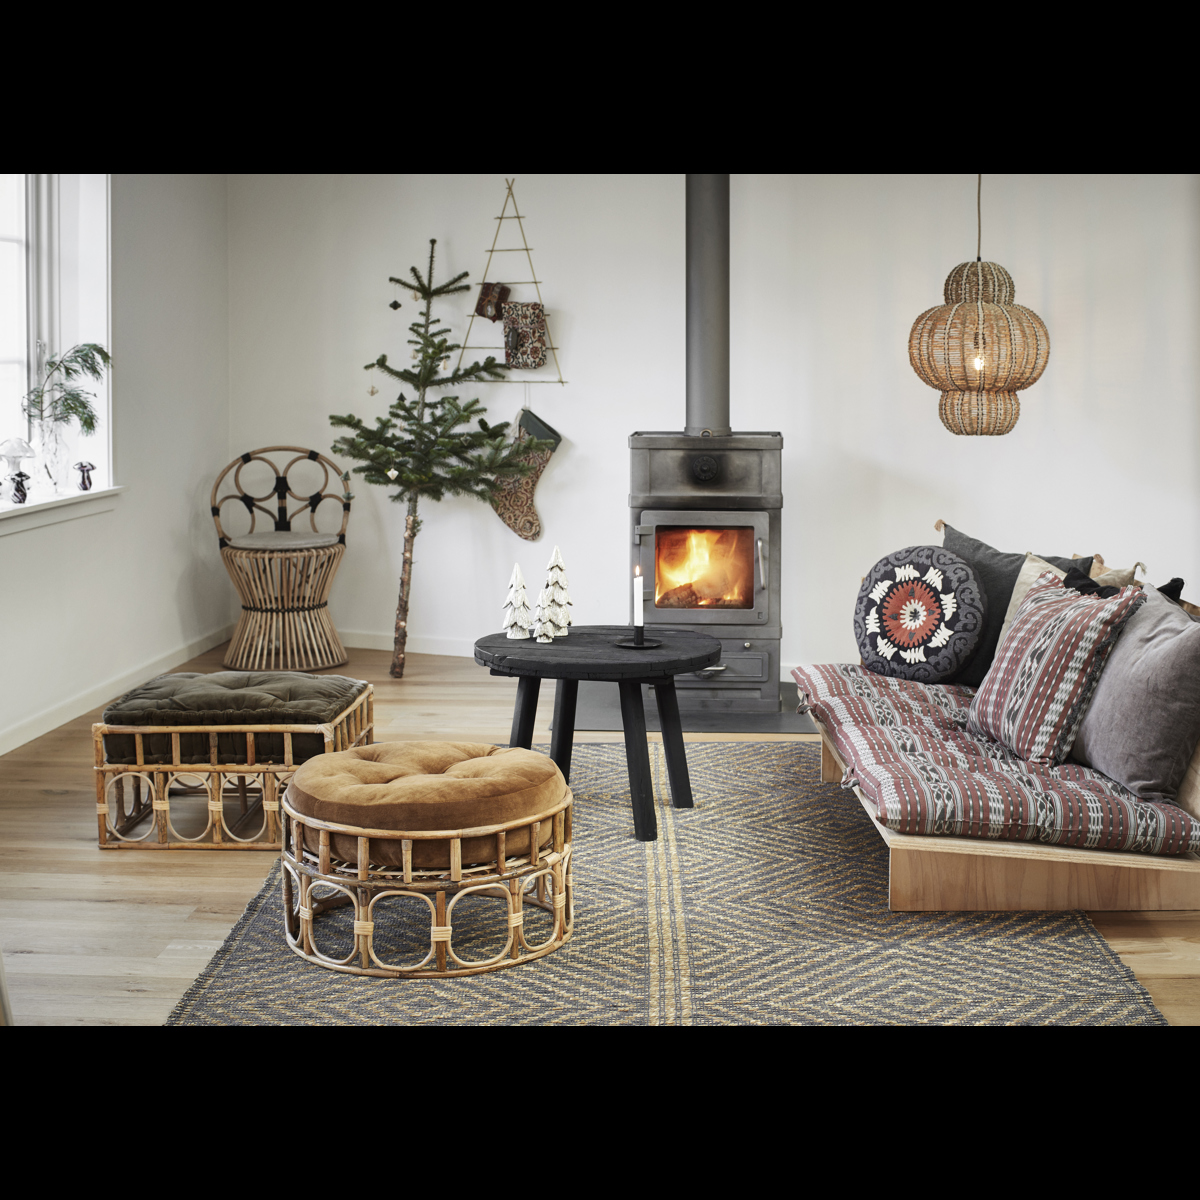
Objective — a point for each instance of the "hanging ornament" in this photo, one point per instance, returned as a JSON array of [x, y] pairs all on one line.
[[979, 349], [372, 391], [392, 473]]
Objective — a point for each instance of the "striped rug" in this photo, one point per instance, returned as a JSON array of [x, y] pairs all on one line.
[[766, 904]]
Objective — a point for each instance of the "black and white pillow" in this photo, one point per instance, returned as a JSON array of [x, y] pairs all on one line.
[[920, 615]]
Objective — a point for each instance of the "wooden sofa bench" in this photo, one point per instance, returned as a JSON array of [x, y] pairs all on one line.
[[969, 874]]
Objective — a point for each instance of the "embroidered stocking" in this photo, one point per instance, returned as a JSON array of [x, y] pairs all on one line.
[[514, 498]]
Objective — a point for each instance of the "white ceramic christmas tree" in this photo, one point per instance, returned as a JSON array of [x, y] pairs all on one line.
[[554, 604], [518, 620]]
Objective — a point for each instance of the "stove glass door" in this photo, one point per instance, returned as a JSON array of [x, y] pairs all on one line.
[[706, 567]]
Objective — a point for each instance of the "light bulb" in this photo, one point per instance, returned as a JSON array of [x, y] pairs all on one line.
[[979, 362]]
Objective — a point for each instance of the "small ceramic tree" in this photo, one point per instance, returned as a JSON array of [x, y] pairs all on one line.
[[518, 620], [554, 604]]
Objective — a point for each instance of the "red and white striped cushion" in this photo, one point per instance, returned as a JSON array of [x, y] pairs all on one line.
[[1033, 698]]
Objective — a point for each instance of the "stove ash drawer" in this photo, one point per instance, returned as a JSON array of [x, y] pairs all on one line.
[[736, 667]]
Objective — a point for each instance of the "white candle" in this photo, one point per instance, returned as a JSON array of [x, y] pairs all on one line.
[[639, 595]]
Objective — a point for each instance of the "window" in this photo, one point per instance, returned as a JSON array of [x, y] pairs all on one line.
[[53, 295], [14, 338]]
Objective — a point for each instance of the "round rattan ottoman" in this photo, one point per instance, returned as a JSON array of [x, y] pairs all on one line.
[[424, 859]]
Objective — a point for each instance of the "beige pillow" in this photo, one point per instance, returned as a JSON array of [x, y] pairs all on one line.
[[1107, 576], [1031, 569]]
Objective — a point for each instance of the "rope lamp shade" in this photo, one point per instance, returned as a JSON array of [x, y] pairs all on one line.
[[979, 349]]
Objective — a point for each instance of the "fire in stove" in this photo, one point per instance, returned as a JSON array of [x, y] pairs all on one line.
[[703, 568]]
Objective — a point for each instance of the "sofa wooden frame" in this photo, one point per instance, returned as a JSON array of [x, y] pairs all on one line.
[[541, 878], [933, 874], [255, 787]]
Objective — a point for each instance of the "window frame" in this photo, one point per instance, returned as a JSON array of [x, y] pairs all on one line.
[[54, 274]]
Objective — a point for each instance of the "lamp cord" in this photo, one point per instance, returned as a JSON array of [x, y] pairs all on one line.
[[979, 218]]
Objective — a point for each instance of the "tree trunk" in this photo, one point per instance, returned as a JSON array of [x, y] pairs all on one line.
[[410, 534]]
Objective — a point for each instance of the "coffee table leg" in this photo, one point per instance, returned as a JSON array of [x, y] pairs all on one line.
[[673, 748], [525, 712], [641, 787], [562, 737]]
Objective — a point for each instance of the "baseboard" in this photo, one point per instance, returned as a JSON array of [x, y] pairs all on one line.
[[82, 702], [417, 643]]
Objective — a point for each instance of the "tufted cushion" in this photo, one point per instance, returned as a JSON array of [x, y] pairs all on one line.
[[920, 614], [418, 786], [229, 698]]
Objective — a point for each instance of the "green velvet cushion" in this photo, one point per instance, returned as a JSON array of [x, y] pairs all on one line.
[[229, 698]]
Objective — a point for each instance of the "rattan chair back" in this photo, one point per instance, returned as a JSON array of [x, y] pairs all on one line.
[[279, 514]]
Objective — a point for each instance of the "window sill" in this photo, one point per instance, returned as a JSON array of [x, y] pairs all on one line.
[[18, 518]]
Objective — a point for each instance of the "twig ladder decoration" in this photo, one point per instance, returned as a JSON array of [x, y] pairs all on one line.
[[251, 787], [523, 248], [315, 881], [284, 590], [979, 348]]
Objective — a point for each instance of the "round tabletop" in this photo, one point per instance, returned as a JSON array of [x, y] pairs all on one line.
[[589, 652]]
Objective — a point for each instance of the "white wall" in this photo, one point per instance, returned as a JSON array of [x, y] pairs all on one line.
[[93, 606], [310, 259], [828, 274], [243, 312]]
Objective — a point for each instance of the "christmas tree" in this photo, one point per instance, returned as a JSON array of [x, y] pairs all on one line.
[[554, 604], [518, 620], [420, 447]]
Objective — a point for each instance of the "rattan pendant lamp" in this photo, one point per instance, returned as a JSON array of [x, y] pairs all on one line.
[[979, 349]]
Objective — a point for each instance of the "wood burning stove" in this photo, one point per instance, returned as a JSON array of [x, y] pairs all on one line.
[[705, 530], [705, 504]]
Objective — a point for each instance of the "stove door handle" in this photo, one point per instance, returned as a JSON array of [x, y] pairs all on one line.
[[709, 670], [762, 574]]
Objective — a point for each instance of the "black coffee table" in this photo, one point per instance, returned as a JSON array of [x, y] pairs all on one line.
[[588, 652]]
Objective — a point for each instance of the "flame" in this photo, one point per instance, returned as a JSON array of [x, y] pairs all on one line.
[[714, 566]]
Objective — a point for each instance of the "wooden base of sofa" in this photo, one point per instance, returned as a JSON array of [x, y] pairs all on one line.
[[961, 874]]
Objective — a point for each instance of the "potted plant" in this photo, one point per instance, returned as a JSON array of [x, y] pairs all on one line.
[[57, 400]]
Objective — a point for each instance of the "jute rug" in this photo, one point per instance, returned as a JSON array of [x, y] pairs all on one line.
[[764, 905]]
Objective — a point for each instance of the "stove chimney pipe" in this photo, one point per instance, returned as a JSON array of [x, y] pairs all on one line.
[[707, 305]]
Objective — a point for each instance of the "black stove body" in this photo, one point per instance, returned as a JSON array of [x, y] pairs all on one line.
[[704, 519]]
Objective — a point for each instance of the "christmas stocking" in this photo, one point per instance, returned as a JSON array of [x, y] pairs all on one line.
[[513, 501]]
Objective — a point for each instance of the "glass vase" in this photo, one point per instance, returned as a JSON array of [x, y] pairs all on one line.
[[52, 472]]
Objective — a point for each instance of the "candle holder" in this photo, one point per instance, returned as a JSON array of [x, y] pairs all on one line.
[[639, 641]]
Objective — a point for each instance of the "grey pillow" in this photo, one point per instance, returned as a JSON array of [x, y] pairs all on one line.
[[1144, 719], [997, 573]]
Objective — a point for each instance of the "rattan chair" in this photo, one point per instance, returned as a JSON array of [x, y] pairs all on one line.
[[283, 576]]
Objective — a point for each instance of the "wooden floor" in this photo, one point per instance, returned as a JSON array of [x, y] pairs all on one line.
[[115, 938]]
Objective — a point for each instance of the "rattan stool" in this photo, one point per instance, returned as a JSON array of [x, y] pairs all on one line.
[[197, 762], [371, 889]]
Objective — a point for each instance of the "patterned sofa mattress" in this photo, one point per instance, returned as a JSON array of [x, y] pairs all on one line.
[[907, 747]]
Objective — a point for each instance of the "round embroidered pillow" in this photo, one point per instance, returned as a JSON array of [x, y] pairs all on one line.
[[920, 615]]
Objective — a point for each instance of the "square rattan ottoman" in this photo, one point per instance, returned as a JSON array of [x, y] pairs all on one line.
[[197, 762]]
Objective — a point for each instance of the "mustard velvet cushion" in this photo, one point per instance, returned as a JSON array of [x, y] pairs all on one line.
[[416, 786]]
